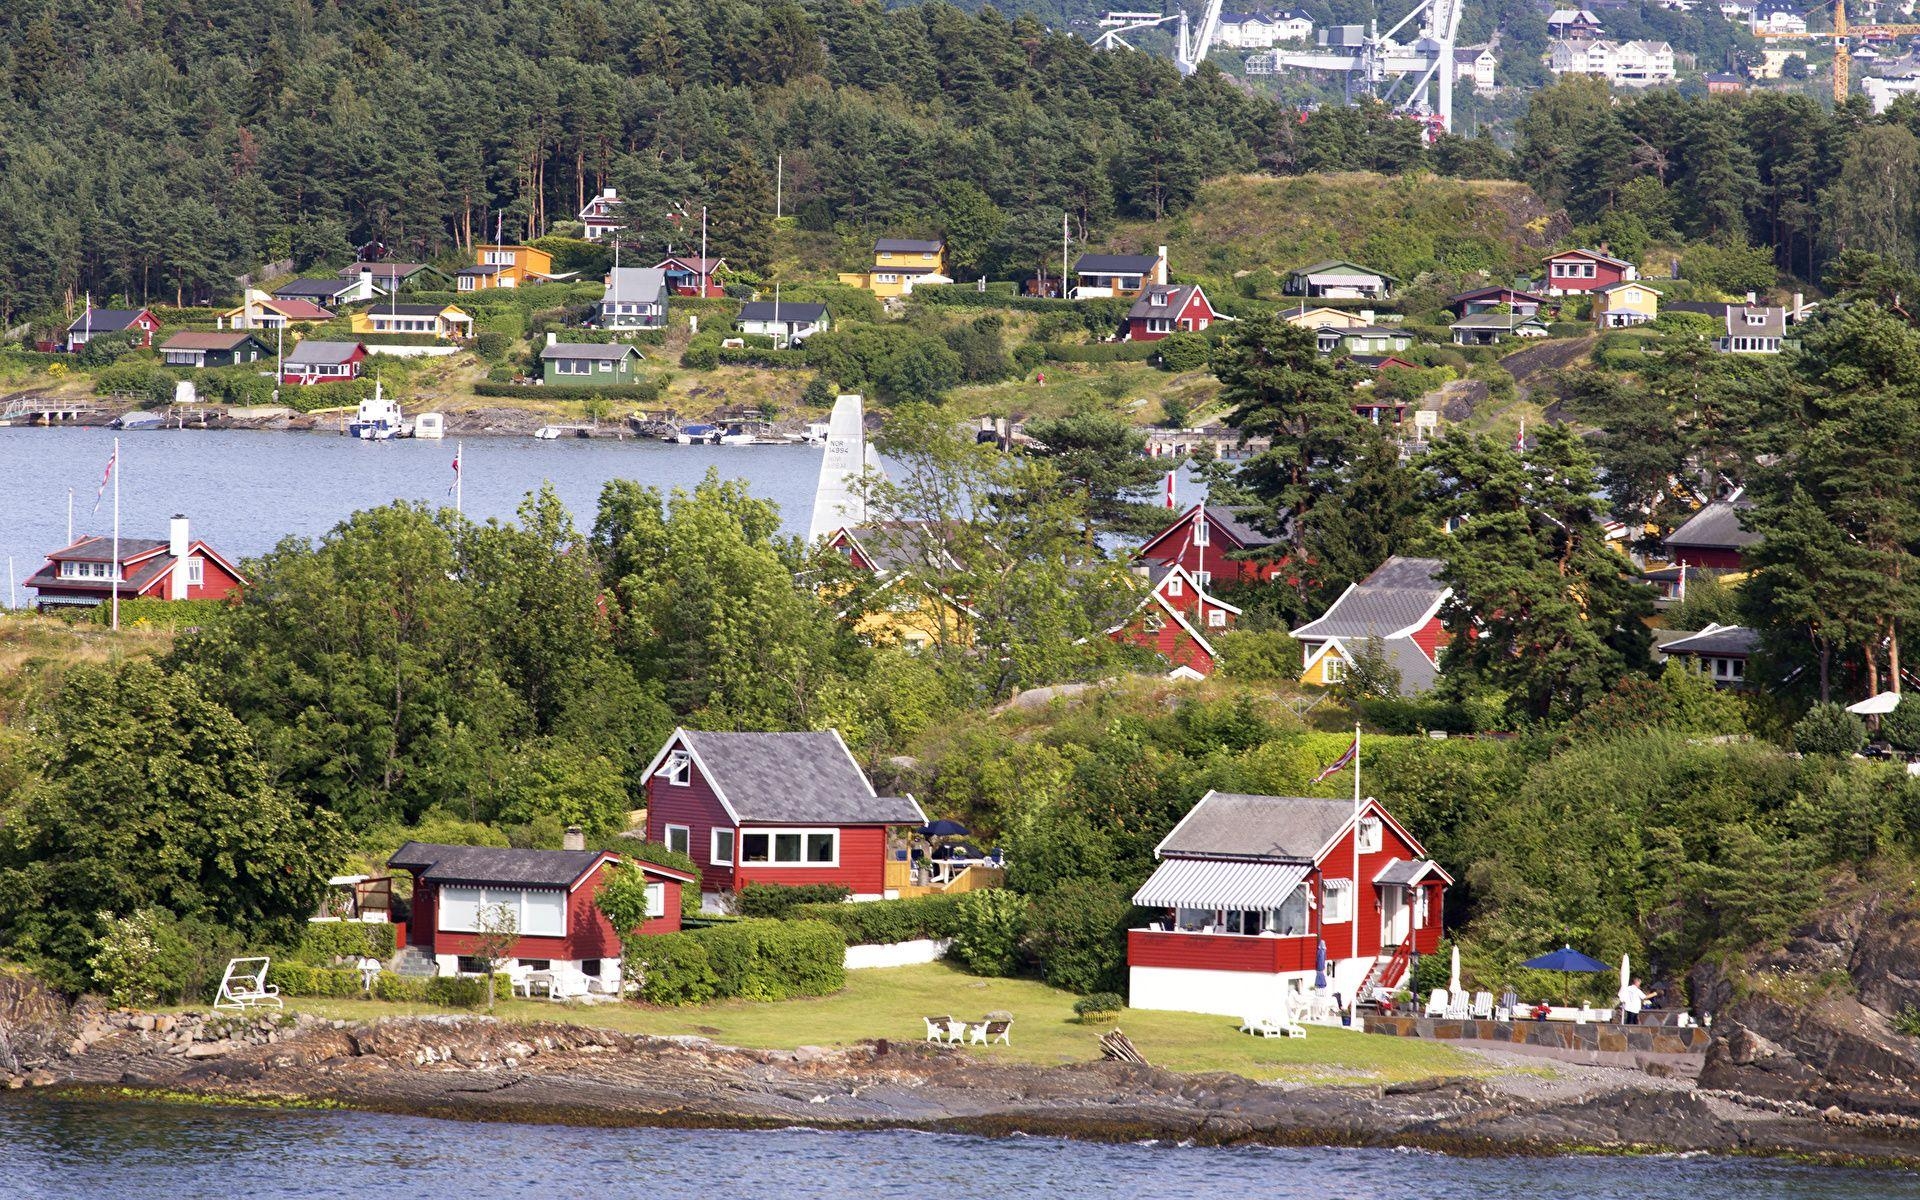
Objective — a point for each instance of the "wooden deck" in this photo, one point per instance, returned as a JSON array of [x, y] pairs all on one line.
[[900, 880]]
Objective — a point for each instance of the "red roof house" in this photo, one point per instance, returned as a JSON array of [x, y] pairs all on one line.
[[691, 275], [1203, 540], [1250, 887], [1164, 308], [139, 323], [776, 808], [1174, 619], [177, 568], [562, 931], [1576, 271]]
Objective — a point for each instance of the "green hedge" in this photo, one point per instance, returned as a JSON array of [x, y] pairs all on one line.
[[1569, 329], [632, 391], [1411, 717], [744, 960], [1103, 352], [325, 942], [774, 900], [304, 979], [399, 339], [310, 397], [752, 356], [152, 613], [884, 922], [451, 991]]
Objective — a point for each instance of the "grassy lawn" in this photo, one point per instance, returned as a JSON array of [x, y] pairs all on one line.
[[890, 1002]]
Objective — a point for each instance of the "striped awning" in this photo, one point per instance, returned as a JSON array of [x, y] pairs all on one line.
[[1200, 883]]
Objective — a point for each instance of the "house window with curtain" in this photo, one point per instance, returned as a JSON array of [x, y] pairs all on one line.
[[1338, 908]]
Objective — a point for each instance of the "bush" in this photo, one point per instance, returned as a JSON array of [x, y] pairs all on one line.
[[885, 922], [774, 901], [1104, 352], [755, 356], [774, 960], [492, 344], [451, 991], [302, 979], [1568, 329], [148, 386], [1099, 1007], [1183, 352], [1268, 654], [625, 391], [1902, 727], [159, 614], [1829, 729], [671, 968], [659, 855], [1028, 355], [701, 354], [329, 942], [988, 927], [1078, 935], [126, 965], [1407, 716]]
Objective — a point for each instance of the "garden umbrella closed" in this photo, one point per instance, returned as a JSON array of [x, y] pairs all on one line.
[[1626, 972], [1320, 964], [1453, 978]]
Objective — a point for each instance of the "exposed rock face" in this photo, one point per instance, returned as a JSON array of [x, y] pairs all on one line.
[[35, 1026], [1813, 1023]]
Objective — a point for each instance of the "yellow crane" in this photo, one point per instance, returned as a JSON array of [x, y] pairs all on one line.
[[1842, 61]]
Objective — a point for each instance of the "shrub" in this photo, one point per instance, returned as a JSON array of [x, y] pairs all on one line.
[[774, 960], [492, 344], [988, 927], [1406, 716], [159, 614], [1568, 329], [755, 356], [776, 901], [303, 979], [659, 855], [1183, 352], [1268, 654], [885, 922], [1902, 727], [1907, 1021], [1028, 355], [625, 391], [332, 941], [1829, 729], [701, 354], [671, 968], [1104, 352], [148, 386], [1099, 1007], [126, 964], [452, 991], [1078, 935]]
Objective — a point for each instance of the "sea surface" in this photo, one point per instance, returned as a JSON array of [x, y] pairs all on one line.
[[69, 1150]]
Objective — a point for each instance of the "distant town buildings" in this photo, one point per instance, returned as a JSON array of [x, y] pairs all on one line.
[[1882, 91], [1258, 31], [1623, 64]]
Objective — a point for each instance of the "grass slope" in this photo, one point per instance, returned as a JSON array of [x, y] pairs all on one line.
[[890, 1003]]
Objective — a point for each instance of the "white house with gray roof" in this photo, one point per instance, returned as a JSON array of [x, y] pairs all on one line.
[[1398, 605], [1261, 899], [635, 298]]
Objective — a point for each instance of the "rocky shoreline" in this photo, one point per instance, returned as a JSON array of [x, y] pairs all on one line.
[[479, 1068]]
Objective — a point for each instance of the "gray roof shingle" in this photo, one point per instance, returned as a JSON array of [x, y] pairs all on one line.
[[311, 289], [1717, 524], [592, 351], [104, 320], [790, 312], [1175, 298], [1235, 825], [433, 862], [1716, 639], [1400, 592], [906, 246], [319, 354], [1232, 520], [802, 778], [1112, 264]]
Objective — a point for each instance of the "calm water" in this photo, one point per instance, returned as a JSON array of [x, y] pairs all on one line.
[[56, 1150]]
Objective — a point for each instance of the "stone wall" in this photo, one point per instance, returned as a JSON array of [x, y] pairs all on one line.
[[1553, 1035]]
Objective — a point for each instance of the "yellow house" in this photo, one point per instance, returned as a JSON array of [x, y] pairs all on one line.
[[445, 322], [1624, 304], [1327, 318], [498, 266], [899, 264], [907, 611]]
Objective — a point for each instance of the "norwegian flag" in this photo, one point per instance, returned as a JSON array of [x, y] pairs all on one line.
[[451, 487], [1169, 489], [1341, 763], [106, 477]]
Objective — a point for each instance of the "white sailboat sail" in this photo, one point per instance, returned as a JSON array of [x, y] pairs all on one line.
[[836, 501]]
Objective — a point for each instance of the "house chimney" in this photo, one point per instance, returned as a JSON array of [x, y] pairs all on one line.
[[576, 839], [177, 542], [1799, 304], [607, 193], [1366, 314], [1753, 298], [366, 282], [552, 337], [1160, 268]]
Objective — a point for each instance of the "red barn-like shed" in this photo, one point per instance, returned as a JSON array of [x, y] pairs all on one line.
[[1250, 886], [778, 808]]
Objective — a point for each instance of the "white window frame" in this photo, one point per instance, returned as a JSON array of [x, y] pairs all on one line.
[[685, 834], [1336, 906], [1202, 531], [679, 768], [1334, 669], [1176, 586], [774, 836], [484, 897], [1371, 834], [656, 900], [715, 855], [196, 571], [572, 366], [1217, 618]]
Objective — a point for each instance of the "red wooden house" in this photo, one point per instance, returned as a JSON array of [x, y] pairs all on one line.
[[1574, 271], [562, 930], [139, 324], [1251, 887], [691, 275], [178, 568], [1172, 620], [776, 808], [1162, 309], [1713, 537], [1204, 540]]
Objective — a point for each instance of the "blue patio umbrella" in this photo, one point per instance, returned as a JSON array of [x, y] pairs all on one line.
[[1569, 962], [1320, 964], [944, 828]]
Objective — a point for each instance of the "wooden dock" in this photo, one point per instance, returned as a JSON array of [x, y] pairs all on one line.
[[45, 410]]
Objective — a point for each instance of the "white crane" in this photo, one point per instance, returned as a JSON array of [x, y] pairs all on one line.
[[1191, 43], [1370, 59]]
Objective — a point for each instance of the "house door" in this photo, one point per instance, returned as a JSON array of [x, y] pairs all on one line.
[[1396, 917]]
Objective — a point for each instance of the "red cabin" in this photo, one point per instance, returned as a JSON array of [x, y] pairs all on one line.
[[778, 808], [691, 275], [1713, 537], [137, 323], [1172, 620], [1201, 540], [179, 568], [1575, 271], [1164, 308], [562, 931], [1250, 887]]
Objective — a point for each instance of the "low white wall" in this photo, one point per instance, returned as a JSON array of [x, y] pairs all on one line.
[[414, 351], [1222, 993], [898, 954]]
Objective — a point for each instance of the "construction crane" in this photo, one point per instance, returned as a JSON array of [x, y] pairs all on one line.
[[1375, 63], [1842, 60], [1191, 43]]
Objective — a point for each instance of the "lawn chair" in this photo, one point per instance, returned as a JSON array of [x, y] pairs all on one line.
[[986, 1033], [1261, 1027], [1437, 1003], [937, 1028], [245, 986], [1483, 1006], [1458, 1007]]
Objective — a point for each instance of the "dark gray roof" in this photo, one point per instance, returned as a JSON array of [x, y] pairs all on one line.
[[104, 320], [1717, 639], [100, 549], [1773, 320], [789, 310], [1110, 264], [1400, 592], [906, 246], [1232, 519], [1242, 826], [307, 289], [1178, 296], [435, 863], [1716, 524], [635, 285], [320, 354], [408, 310], [593, 351], [804, 778], [1496, 321], [1417, 672], [479, 269], [1706, 308], [1403, 871]]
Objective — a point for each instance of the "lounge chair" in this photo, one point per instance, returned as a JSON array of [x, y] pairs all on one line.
[[985, 1033], [1437, 1003], [937, 1028], [245, 986], [1483, 1006], [1458, 1007]]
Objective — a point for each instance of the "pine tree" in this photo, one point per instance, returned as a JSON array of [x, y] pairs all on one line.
[[740, 226]]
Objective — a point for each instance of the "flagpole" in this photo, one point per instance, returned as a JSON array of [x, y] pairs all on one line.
[[116, 533], [459, 475], [1354, 896], [69, 516]]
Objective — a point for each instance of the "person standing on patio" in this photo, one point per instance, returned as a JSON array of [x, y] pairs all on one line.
[[1632, 1000]]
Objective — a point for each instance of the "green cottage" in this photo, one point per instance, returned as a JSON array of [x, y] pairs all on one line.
[[589, 364], [213, 349]]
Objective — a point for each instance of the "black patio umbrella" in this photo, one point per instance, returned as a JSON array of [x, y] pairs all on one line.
[[943, 828]]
